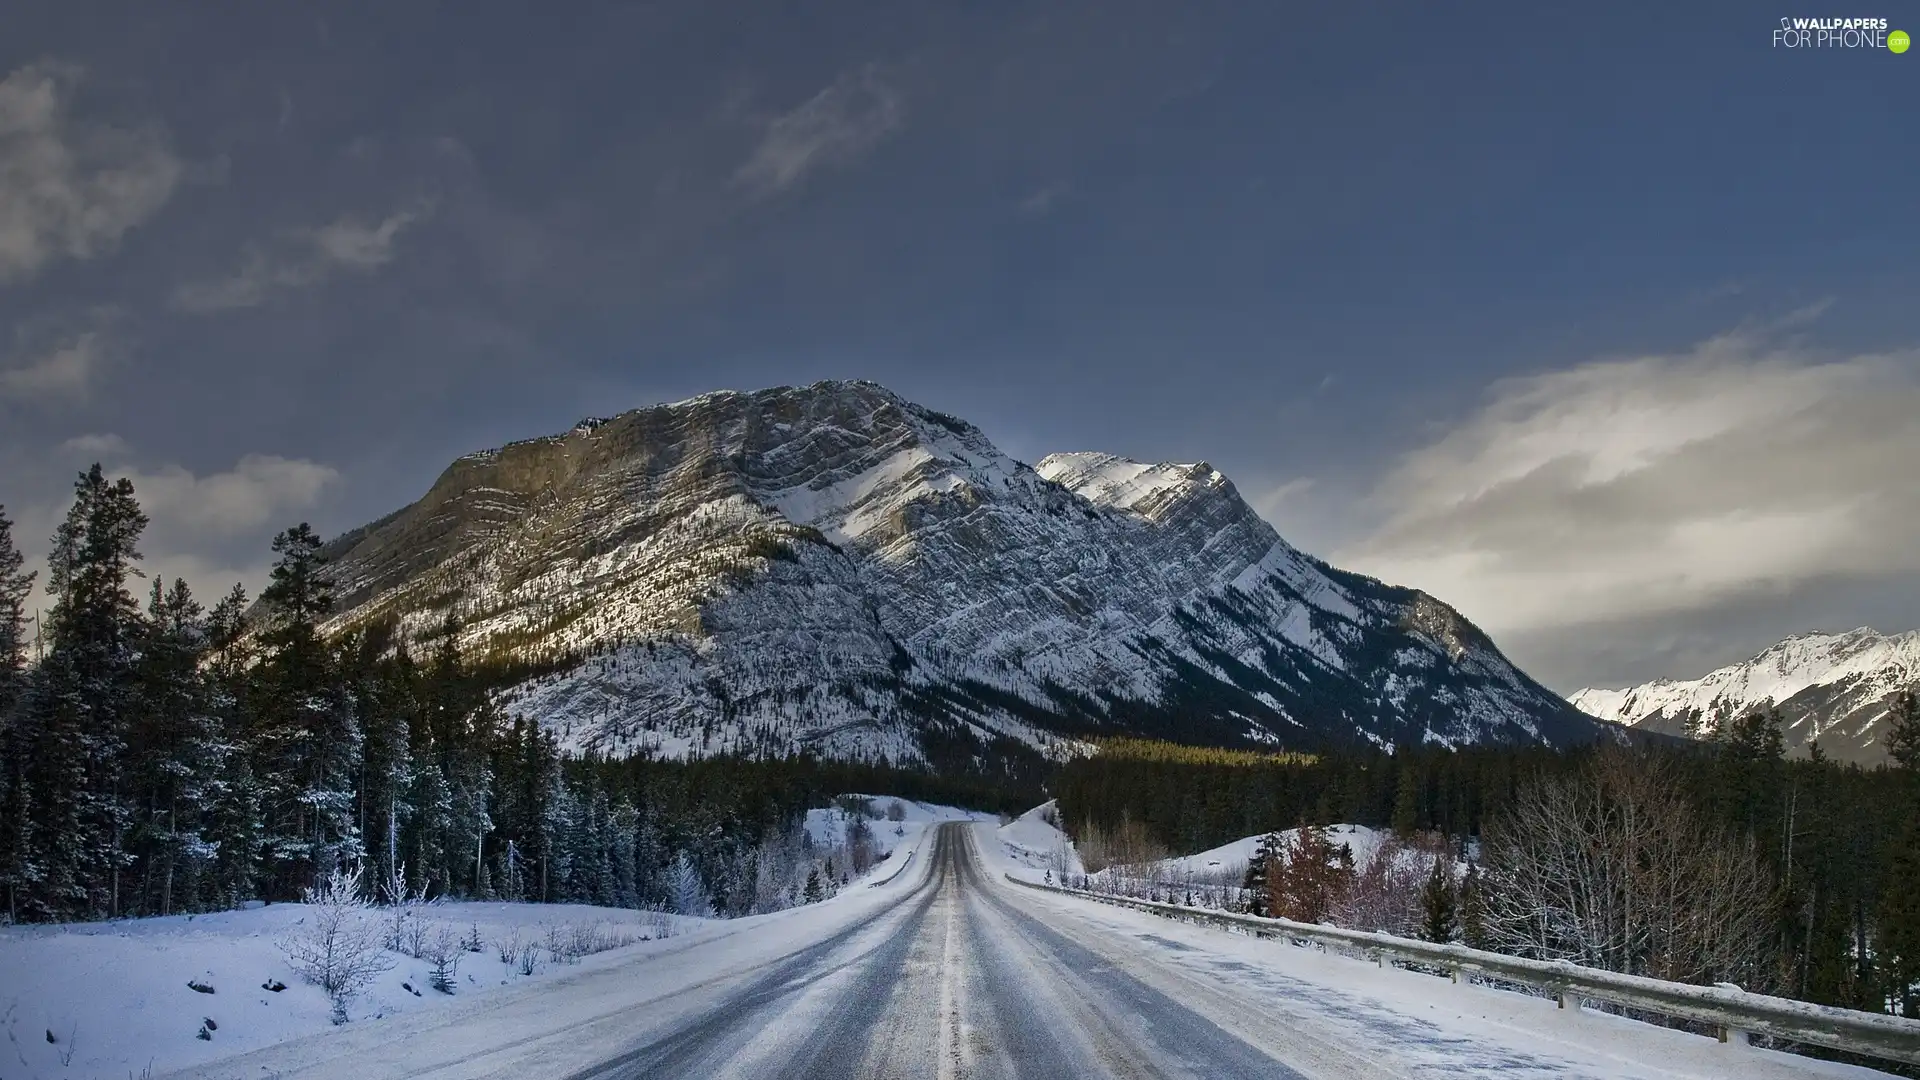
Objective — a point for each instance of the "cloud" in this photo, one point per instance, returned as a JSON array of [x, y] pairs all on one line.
[[1267, 503], [834, 127], [64, 371], [260, 490], [300, 258], [69, 188], [1660, 486]]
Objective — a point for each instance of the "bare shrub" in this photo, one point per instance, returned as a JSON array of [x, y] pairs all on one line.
[[529, 959], [508, 947], [896, 811], [1128, 844], [1612, 867], [660, 924], [403, 911], [1385, 893], [337, 947]]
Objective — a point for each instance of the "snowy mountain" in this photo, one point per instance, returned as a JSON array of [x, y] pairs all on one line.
[[1834, 687], [834, 567]]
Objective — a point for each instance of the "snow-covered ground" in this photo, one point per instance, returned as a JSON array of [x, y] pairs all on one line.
[[115, 996], [1034, 842], [116, 999], [1231, 859]]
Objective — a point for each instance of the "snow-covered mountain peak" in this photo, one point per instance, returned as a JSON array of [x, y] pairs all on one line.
[[1142, 488], [1830, 686], [832, 566]]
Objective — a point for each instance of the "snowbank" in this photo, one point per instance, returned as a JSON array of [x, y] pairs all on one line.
[[115, 995], [1230, 860], [1033, 841]]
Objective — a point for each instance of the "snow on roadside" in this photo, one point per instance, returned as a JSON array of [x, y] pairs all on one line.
[[1413, 1023], [115, 995], [1035, 842], [116, 999]]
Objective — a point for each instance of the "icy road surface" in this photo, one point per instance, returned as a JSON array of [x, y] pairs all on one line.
[[946, 970]]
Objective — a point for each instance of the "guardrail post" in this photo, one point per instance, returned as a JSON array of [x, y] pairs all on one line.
[[1385, 960], [1456, 973], [1735, 1037], [1569, 1000]]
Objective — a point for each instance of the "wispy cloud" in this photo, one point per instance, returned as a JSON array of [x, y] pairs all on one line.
[[64, 372], [1661, 485], [300, 258], [70, 188], [834, 127]]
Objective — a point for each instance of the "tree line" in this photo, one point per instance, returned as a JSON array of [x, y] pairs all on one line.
[[1719, 861], [158, 756]]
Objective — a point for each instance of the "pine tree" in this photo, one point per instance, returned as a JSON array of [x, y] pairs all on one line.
[[812, 894], [1260, 868], [78, 704], [16, 584], [1903, 732], [235, 824], [1473, 908], [177, 750], [1438, 904], [309, 736], [1406, 798], [1898, 948]]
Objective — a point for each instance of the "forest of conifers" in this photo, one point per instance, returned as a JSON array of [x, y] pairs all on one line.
[[160, 756]]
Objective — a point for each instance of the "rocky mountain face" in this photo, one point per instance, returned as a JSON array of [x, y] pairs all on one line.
[[1833, 687], [832, 567]]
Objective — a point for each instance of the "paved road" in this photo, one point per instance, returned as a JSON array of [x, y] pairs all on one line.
[[958, 981], [947, 971]]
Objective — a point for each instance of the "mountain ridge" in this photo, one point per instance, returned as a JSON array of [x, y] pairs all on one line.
[[833, 567], [1834, 687]]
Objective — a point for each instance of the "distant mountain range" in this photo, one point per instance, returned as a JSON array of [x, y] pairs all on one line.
[[1833, 687], [833, 568]]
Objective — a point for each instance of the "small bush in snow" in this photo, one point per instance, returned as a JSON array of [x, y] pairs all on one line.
[[896, 811], [530, 958], [442, 949], [508, 947], [337, 947], [403, 905]]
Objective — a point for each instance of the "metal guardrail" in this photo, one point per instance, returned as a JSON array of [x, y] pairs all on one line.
[[1733, 1012]]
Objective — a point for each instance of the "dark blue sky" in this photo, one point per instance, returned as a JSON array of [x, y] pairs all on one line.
[[288, 261]]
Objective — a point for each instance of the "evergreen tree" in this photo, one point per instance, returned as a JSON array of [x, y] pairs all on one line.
[[16, 584], [309, 738], [1260, 868], [177, 750], [1406, 799], [235, 824], [1903, 732], [1473, 908], [1898, 949], [78, 704], [1438, 905]]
